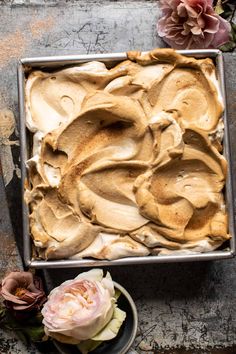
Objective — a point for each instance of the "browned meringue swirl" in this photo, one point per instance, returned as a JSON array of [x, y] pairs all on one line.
[[126, 161]]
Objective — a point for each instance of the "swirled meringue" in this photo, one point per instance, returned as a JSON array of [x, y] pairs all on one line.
[[126, 161]]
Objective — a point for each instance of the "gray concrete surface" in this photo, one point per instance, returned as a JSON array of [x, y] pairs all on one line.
[[190, 305]]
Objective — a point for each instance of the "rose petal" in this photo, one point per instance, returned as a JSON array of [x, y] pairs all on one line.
[[212, 23], [12, 298], [9, 285], [93, 274], [223, 34], [200, 21], [22, 278], [196, 30], [191, 11], [181, 10]]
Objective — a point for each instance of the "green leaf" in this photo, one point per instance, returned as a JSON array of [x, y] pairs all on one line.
[[10, 322], [112, 328], [36, 319], [117, 294], [233, 26], [233, 33], [228, 47], [218, 8], [2, 316], [2, 311], [34, 333], [87, 346]]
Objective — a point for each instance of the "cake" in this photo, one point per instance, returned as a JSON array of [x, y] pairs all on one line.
[[126, 161]]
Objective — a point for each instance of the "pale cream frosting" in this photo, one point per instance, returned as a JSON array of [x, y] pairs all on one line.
[[126, 161]]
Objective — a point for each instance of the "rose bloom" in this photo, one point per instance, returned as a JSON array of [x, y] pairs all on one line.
[[192, 24], [22, 291], [79, 309]]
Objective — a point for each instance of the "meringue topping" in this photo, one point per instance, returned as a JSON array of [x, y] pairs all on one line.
[[126, 161]]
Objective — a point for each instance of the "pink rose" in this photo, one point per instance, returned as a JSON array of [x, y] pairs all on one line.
[[22, 291], [189, 24], [82, 308]]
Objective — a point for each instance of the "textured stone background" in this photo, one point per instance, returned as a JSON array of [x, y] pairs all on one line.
[[190, 305]]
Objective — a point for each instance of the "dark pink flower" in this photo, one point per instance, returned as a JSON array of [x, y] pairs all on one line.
[[189, 24], [22, 291]]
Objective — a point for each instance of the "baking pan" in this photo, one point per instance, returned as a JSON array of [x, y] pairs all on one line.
[[58, 62]]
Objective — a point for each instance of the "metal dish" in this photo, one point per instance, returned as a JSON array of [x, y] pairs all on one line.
[[58, 62]]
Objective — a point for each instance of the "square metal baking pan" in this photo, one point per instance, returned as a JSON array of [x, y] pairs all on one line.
[[59, 62]]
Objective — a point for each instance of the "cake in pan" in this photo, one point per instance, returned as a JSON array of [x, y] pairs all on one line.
[[126, 161]]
